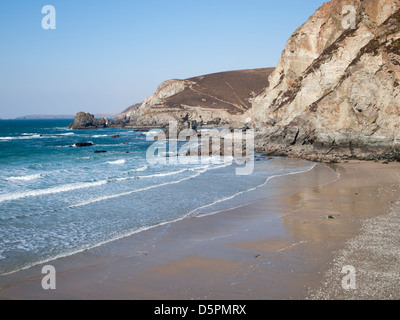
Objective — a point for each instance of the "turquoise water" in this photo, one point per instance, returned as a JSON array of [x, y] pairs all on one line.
[[57, 199]]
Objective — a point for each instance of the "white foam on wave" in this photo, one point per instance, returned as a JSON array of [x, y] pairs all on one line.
[[165, 174], [122, 161], [199, 172], [81, 204], [156, 175], [141, 169], [25, 178], [53, 190], [66, 134], [34, 136], [99, 135], [220, 201], [80, 185], [23, 137]]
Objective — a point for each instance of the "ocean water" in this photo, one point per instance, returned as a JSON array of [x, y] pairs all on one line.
[[57, 199]]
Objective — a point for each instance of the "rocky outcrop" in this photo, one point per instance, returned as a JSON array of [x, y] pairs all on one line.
[[83, 144], [218, 99], [335, 92], [88, 121], [85, 121]]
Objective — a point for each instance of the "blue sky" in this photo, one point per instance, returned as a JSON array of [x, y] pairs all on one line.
[[107, 55]]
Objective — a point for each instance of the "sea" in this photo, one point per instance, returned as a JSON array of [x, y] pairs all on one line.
[[57, 199]]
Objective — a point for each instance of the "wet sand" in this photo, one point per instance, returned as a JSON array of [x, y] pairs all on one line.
[[288, 245]]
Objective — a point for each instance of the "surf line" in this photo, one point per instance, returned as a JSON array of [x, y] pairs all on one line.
[[143, 189]]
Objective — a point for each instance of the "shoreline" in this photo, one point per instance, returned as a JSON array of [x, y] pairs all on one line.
[[285, 242], [161, 224]]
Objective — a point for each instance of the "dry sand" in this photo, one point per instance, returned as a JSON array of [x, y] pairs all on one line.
[[289, 245]]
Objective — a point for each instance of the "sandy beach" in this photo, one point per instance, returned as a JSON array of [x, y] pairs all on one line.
[[290, 244]]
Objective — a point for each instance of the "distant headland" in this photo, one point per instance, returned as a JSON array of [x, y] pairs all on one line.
[[59, 117]]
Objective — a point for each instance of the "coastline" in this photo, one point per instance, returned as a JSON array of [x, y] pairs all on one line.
[[274, 248]]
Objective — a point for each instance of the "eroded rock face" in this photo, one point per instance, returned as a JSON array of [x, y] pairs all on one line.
[[218, 99], [87, 121], [335, 91]]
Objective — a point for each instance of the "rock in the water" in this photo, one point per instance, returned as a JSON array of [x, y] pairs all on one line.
[[88, 121], [84, 144], [100, 151]]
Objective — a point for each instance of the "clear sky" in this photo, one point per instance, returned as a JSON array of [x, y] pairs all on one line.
[[106, 55]]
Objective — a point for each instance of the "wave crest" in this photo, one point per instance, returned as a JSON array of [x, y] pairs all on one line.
[[122, 161], [25, 178]]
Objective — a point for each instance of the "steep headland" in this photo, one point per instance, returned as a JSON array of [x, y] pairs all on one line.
[[218, 99], [335, 91]]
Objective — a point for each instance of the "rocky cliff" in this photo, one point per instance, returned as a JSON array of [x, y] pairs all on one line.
[[218, 99], [335, 91], [88, 121]]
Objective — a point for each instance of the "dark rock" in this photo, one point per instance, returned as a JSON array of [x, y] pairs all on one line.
[[118, 123], [84, 144], [88, 121], [115, 137], [100, 151]]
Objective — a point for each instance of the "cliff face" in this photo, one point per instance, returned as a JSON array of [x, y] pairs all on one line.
[[218, 99], [335, 91]]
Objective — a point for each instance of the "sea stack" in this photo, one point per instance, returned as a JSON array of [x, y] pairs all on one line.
[[88, 121]]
